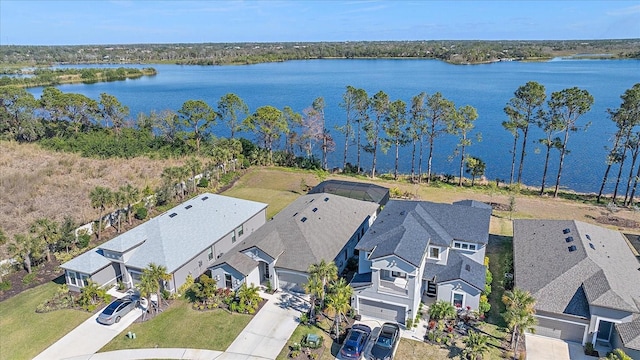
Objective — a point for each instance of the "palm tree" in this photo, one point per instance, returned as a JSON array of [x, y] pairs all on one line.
[[442, 310], [101, 198], [27, 248], [339, 302], [195, 166], [160, 275], [520, 314], [249, 296], [315, 289], [48, 232], [131, 196], [147, 286], [326, 271], [475, 345], [119, 200]]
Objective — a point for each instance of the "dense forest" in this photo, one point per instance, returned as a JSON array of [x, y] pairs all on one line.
[[372, 123], [458, 52], [51, 77]]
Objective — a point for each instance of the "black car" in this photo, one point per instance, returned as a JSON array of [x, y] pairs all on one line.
[[355, 342], [387, 342]]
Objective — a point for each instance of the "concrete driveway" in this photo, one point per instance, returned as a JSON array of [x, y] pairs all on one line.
[[545, 348], [268, 332], [87, 338]]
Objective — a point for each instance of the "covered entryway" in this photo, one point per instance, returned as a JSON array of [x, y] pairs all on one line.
[[380, 310], [291, 281], [560, 329]]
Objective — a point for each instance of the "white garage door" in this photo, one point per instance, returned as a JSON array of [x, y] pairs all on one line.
[[560, 329], [291, 282], [382, 311]]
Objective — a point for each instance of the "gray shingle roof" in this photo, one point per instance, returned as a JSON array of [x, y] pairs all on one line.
[[630, 333], [329, 222], [601, 264], [87, 263], [405, 228], [172, 240], [354, 190], [459, 266]]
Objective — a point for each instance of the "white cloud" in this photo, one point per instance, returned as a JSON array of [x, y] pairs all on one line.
[[625, 11]]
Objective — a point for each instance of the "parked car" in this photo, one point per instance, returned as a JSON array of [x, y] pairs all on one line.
[[117, 309], [355, 342], [387, 342]]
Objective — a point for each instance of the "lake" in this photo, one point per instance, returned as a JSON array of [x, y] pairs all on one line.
[[486, 87]]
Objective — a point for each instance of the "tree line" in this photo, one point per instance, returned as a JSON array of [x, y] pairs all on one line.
[[51, 77], [372, 124], [453, 51]]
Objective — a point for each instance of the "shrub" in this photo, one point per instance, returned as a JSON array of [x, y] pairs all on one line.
[[484, 306], [29, 279], [203, 183], [141, 213], [83, 240], [5, 285], [409, 324]]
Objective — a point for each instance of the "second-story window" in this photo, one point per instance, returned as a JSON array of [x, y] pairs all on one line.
[[434, 252]]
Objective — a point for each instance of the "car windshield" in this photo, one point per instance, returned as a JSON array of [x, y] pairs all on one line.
[[112, 307], [384, 342]]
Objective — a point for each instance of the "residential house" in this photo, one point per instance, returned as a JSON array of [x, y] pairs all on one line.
[[421, 251], [315, 227], [585, 279], [185, 240], [354, 190]]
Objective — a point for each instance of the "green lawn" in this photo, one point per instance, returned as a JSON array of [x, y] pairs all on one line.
[[303, 330], [24, 333], [498, 249], [182, 327]]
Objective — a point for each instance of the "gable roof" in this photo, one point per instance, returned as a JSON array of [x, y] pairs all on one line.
[[406, 228], [354, 190], [175, 237], [601, 270], [312, 228], [459, 266]]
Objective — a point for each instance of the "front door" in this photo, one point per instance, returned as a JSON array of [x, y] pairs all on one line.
[[227, 281], [266, 271], [604, 331]]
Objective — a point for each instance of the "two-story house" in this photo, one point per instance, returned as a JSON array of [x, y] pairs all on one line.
[[185, 240], [585, 279], [421, 251]]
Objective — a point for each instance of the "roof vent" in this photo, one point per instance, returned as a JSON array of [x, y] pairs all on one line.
[[326, 199], [294, 215], [566, 231], [315, 209], [572, 248], [172, 215], [569, 239], [303, 219], [588, 237], [204, 198], [310, 201], [188, 207], [403, 212], [591, 246], [467, 267]]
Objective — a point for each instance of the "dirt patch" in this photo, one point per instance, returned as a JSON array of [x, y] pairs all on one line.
[[618, 222], [42, 274]]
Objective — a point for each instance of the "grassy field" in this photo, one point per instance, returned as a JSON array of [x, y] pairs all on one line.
[[182, 327], [330, 349], [24, 333]]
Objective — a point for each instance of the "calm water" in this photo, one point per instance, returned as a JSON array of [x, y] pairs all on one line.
[[486, 87]]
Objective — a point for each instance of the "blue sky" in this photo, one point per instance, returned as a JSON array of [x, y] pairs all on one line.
[[25, 22]]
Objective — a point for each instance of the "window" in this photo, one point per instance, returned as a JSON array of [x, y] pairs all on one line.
[[240, 230], [72, 278], [227, 281], [210, 253], [434, 252], [398, 274], [233, 237], [458, 300], [464, 246]]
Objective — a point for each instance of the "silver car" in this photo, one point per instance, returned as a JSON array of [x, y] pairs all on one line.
[[117, 309]]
